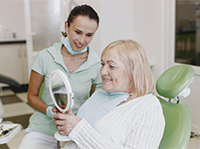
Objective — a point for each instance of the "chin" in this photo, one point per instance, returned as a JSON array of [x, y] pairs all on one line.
[[106, 89]]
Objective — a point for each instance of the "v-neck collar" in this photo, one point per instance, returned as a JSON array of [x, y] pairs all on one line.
[[55, 51]]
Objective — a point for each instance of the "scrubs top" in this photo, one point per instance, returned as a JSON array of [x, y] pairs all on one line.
[[81, 80]]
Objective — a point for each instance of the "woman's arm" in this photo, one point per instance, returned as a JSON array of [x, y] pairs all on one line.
[[145, 133], [33, 91], [81, 132]]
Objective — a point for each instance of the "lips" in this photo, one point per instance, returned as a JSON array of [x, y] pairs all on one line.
[[107, 79], [79, 45]]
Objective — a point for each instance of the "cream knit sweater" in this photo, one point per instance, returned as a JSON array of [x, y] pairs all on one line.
[[138, 123]]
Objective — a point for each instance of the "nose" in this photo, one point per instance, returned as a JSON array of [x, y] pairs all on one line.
[[82, 39], [103, 70]]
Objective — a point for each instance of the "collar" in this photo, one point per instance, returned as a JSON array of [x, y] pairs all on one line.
[[55, 52]]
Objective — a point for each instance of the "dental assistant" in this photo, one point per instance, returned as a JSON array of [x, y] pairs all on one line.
[[81, 65]]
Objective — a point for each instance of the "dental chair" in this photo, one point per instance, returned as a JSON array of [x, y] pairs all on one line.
[[10, 82], [7, 129], [172, 85]]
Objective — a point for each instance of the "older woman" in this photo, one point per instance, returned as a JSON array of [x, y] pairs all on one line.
[[122, 113]]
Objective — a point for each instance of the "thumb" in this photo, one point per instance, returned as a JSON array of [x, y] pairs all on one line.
[[70, 112]]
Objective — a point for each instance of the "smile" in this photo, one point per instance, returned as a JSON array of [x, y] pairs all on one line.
[[107, 79], [79, 45]]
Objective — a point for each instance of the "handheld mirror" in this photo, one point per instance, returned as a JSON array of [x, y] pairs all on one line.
[[61, 91], [61, 95]]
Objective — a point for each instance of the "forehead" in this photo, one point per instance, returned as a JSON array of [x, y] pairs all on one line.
[[84, 23], [111, 54]]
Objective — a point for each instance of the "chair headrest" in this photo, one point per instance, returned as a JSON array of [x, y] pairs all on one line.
[[9, 81], [174, 81]]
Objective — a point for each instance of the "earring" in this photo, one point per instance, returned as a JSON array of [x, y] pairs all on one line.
[[64, 34]]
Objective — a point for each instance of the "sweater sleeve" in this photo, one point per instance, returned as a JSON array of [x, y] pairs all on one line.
[[148, 130], [87, 137], [146, 133]]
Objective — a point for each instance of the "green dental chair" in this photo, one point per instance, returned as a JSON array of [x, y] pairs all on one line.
[[172, 85]]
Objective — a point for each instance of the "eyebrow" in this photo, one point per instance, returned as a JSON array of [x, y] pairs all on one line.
[[82, 31], [109, 61]]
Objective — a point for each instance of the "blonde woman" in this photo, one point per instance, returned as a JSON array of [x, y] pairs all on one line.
[[122, 113]]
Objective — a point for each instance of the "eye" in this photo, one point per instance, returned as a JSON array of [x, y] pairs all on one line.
[[102, 64], [112, 66], [78, 32], [89, 35]]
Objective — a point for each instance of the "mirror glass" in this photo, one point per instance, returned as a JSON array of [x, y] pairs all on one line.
[[60, 90]]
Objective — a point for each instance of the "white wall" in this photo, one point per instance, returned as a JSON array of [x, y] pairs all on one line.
[[116, 21], [133, 19], [12, 19], [147, 25]]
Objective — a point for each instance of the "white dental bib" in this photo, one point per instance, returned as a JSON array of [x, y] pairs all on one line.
[[99, 104]]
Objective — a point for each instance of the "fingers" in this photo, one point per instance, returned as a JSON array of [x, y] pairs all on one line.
[[55, 110], [70, 112], [60, 116], [62, 106], [60, 127], [59, 122], [63, 131], [59, 119]]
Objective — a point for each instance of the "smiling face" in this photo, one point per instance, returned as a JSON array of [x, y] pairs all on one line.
[[114, 72], [81, 31]]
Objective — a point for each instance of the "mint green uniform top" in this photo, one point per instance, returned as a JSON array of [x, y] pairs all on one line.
[[81, 80]]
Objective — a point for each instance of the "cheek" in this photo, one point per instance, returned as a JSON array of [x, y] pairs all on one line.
[[123, 81], [74, 36], [88, 40]]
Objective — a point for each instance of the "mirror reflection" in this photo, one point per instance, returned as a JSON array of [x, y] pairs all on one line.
[[59, 91], [61, 95]]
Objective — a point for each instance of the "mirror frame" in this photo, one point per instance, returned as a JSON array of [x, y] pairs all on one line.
[[70, 95]]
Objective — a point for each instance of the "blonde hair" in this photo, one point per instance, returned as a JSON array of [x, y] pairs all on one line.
[[134, 57]]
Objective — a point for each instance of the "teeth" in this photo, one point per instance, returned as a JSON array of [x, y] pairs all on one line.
[[79, 45], [106, 79]]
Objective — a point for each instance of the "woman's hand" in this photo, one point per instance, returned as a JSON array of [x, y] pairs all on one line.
[[55, 110], [65, 122]]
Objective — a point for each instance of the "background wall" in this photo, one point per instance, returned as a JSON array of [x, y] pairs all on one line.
[[137, 20], [12, 19]]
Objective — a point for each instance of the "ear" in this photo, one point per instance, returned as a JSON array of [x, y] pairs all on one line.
[[66, 26]]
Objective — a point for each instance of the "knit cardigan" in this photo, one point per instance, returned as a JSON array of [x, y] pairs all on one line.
[[138, 123]]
